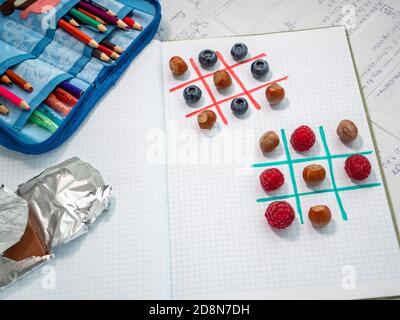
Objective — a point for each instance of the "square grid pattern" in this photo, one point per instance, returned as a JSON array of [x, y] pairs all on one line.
[[220, 241], [230, 69], [328, 157]]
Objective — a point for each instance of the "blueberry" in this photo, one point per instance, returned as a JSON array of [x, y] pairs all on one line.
[[208, 58], [259, 68], [239, 51], [192, 94], [239, 106]]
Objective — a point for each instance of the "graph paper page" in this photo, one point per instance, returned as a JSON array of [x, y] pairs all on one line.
[[221, 244], [125, 254]]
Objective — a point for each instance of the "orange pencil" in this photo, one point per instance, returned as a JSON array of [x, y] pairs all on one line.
[[65, 97], [112, 54], [91, 15], [75, 32], [19, 81], [57, 105]]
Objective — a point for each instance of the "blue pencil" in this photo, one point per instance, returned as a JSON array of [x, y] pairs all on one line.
[[72, 89]]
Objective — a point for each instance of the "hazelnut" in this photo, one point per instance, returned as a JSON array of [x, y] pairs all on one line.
[[207, 119], [268, 141], [347, 130], [314, 174], [222, 79], [275, 93], [320, 216], [178, 66]]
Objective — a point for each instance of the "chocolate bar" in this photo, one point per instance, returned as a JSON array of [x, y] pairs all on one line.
[[32, 243]]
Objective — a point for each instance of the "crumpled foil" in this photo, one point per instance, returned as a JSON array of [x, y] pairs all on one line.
[[13, 218], [66, 199]]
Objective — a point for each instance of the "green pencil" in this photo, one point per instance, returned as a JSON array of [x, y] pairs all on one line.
[[43, 121], [88, 20]]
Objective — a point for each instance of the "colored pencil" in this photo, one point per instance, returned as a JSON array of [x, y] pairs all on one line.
[[6, 80], [103, 15], [72, 89], [88, 20], [91, 15], [19, 81], [65, 97], [8, 95], [112, 46], [77, 33], [112, 54], [57, 105], [51, 114], [132, 23], [100, 55], [3, 110], [72, 21], [43, 121], [100, 7]]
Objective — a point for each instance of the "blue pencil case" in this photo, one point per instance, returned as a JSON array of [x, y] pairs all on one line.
[[55, 63]]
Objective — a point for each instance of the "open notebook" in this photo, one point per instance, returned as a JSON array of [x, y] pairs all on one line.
[[187, 218]]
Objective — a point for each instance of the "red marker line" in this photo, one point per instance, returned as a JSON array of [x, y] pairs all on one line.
[[210, 93], [240, 83], [235, 96], [182, 85]]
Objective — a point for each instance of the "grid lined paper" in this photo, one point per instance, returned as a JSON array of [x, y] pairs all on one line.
[[221, 244]]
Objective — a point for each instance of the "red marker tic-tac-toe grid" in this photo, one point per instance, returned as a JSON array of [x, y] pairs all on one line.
[[230, 69]]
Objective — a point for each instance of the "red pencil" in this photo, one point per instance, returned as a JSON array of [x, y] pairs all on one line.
[[75, 32], [132, 23], [112, 54], [65, 97]]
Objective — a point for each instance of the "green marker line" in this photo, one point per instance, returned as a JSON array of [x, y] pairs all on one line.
[[337, 156], [329, 158], [292, 176], [355, 187]]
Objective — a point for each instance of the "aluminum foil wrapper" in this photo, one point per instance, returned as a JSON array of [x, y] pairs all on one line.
[[11, 271], [13, 220], [66, 199]]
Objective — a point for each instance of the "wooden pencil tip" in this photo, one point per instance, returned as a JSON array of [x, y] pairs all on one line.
[[25, 106], [3, 110], [114, 56], [122, 25], [93, 43], [118, 50], [102, 28], [105, 57], [28, 88]]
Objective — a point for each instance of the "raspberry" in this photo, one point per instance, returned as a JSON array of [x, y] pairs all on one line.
[[279, 214], [357, 167], [303, 138], [271, 179]]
